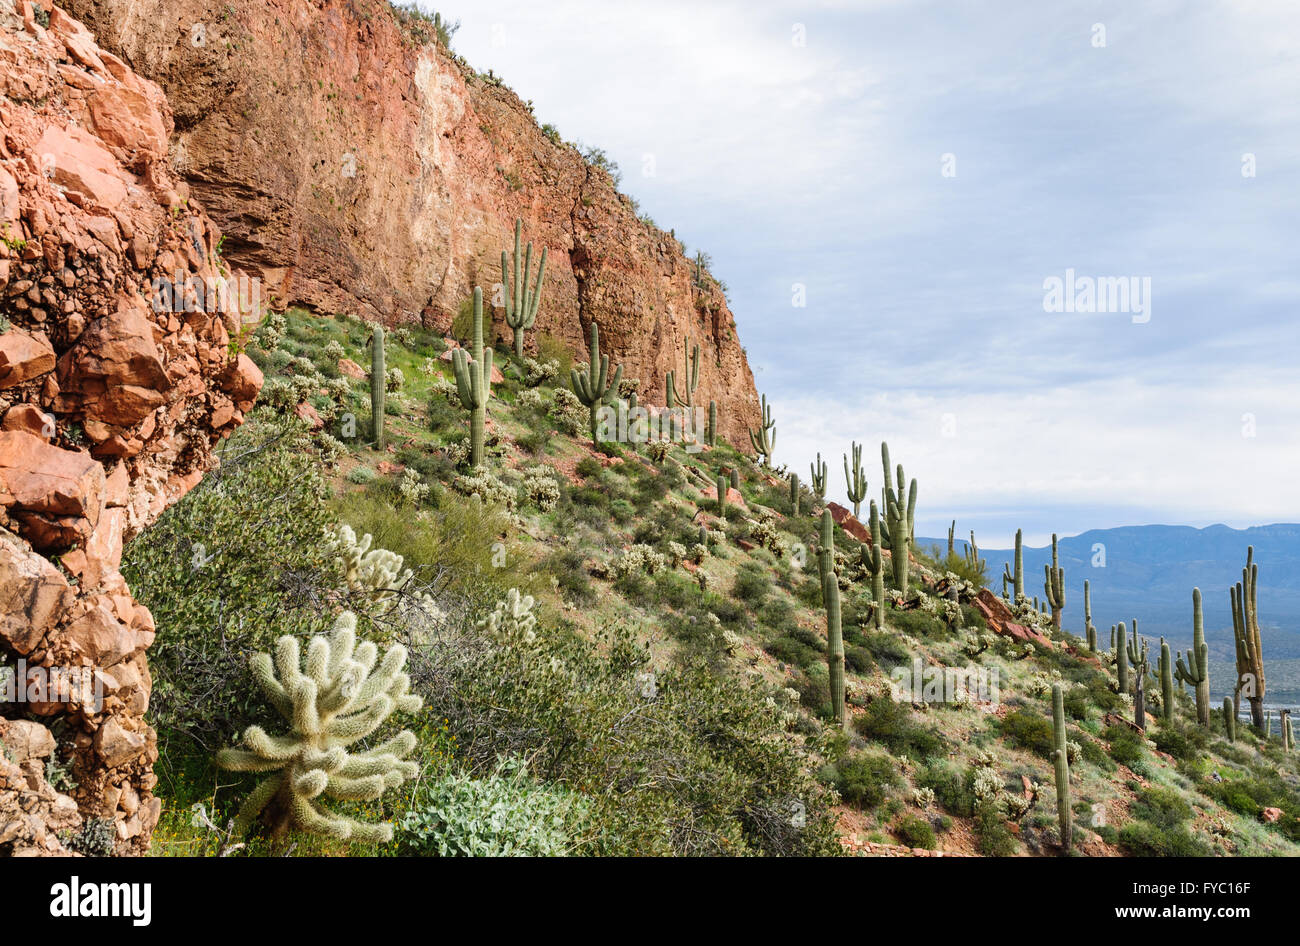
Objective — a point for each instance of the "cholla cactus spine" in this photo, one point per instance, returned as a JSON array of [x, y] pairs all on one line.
[[1018, 578], [340, 698], [521, 302], [1054, 586], [1196, 671], [1061, 762], [592, 389], [834, 634], [763, 440], [474, 382], [378, 385], [856, 479], [818, 471]]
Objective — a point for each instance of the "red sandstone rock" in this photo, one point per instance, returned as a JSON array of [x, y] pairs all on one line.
[[23, 357], [401, 221], [845, 519], [29, 419], [351, 369], [307, 414]]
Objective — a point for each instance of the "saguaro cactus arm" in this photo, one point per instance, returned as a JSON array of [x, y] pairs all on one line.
[[856, 479], [474, 381], [1054, 586], [592, 388], [763, 440], [691, 372]]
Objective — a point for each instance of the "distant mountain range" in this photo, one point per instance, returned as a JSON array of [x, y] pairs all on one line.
[[1149, 574]]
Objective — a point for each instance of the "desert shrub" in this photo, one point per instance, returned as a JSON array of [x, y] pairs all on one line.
[[1180, 740], [1126, 746], [1143, 839], [917, 623], [505, 814], [892, 725], [1029, 730], [915, 831], [567, 568], [993, 838], [888, 650], [1076, 703], [752, 586], [950, 785], [791, 651], [858, 659], [681, 762], [362, 475], [865, 779], [1162, 807], [234, 565]]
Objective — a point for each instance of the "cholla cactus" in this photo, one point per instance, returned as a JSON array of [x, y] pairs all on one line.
[[513, 617], [340, 698], [412, 489], [541, 487], [923, 798], [377, 572]]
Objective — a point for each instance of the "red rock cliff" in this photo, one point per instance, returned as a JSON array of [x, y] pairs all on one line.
[[358, 169], [108, 412]]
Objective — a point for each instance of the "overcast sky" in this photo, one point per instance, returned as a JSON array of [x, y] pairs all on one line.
[[922, 168]]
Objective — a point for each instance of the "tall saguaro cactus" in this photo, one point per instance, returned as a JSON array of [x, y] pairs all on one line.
[[875, 561], [818, 477], [712, 435], [521, 302], [973, 555], [794, 493], [378, 380], [764, 439], [1137, 655], [1054, 586], [1166, 682], [341, 697], [856, 478], [1090, 629], [1061, 763], [690, 379], [1196, 671], [898, 528], [1121, 657], [1245, 630], [592, 388], [834, 635], [1018, 579], [474, 382], [722, 496], [1229, 719]]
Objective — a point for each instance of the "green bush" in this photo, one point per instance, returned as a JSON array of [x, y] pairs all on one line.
[[1029, 730], [1161, 806], [993, 837], [865, 779], [892, 725], [950, 785], [1142, 839], [505, 814], [915, 831], [1126, 746]]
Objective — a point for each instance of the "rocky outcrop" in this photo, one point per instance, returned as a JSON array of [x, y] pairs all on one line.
[[359, 169], [110, 403]]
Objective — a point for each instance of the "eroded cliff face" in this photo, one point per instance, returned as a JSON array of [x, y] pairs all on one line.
[[109, 407], [359, 170]]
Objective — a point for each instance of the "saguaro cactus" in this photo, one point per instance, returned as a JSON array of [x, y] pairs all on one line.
[[722, 496], [377, 386], [691, 379], [474, 382], [1121, 656], [1245, 630], [856, 478], [1054, 586], [1061, 762], [1137, 655], [1229, 719], [875, 561], [1018, 579], [834, 635], [592, 388], [1166, 682], [520, 302], [1196, 671], [712, 436], [341, 698], [818, 478], [899, 526], [952, 534], [735, 478], [794, 493], [973, 554], [1288, 739], [1089, 628], [764, 439]]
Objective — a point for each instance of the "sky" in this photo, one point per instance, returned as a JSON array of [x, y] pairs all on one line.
[[916, 173]]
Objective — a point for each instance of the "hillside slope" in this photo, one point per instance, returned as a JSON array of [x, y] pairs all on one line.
[[675, 682], [361, 168]]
